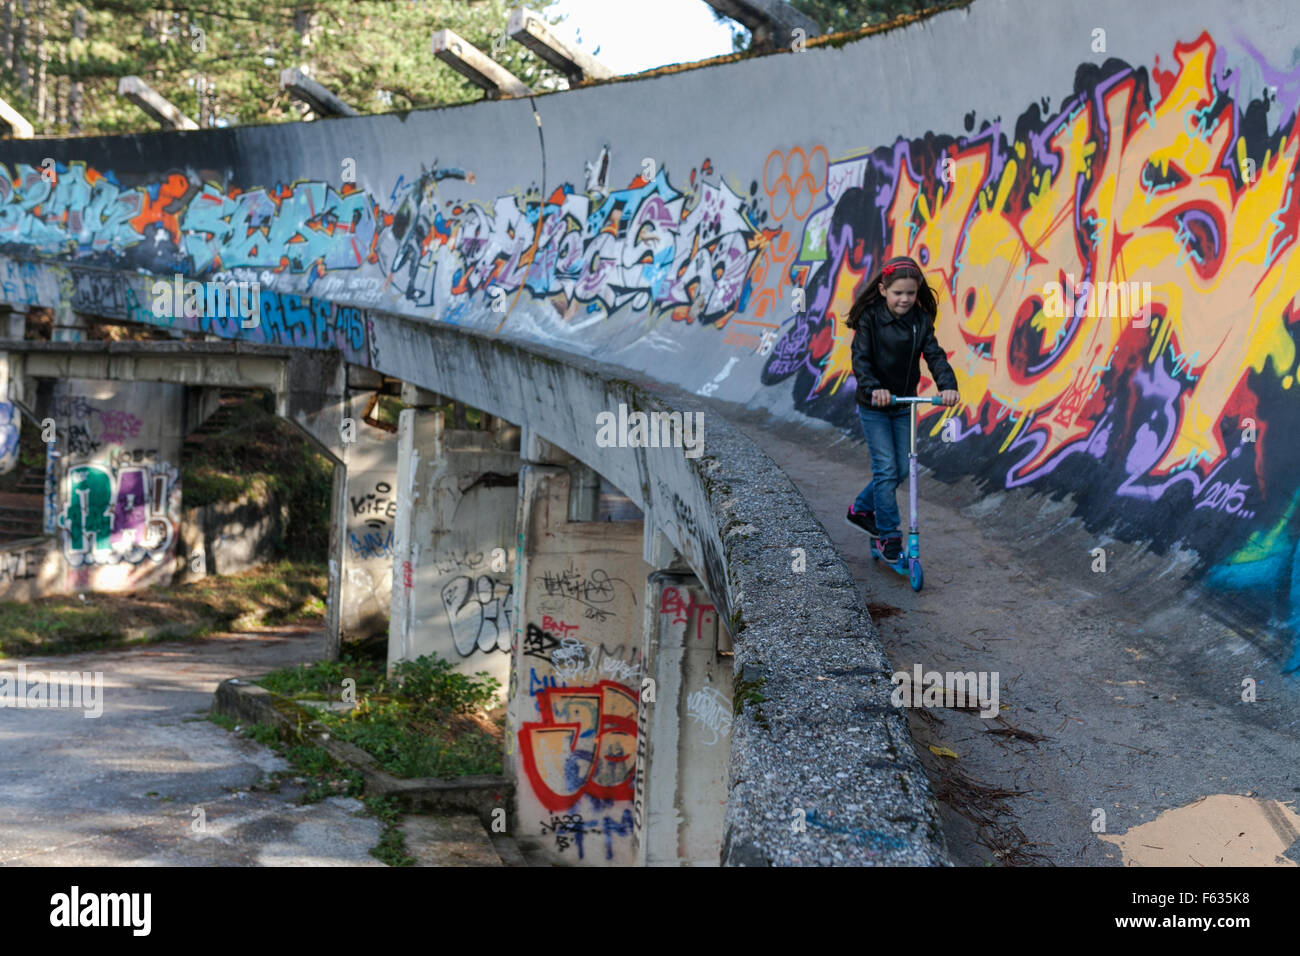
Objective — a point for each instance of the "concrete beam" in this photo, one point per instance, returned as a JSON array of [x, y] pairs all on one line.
[[21, 129], [418, 397], [772, 22], [154, 103], [229, 371], [476, 66], [528, 28], [321, 99]]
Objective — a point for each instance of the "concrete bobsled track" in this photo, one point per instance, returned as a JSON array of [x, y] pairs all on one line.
[[696, 238]]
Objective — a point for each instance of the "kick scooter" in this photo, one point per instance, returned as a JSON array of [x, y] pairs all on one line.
[[909, 561]]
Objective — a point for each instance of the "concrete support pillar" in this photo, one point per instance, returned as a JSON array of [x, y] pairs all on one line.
[[536, 450], [684, 733], [454, 546], [13, 323], [584, 494], [576, 677], [69, 326], [366, 566], [337, 546], [116, 482], [418, 397], [10, 421]]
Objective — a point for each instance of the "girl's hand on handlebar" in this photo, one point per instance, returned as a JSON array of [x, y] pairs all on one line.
[[949, 397], [881, 396]]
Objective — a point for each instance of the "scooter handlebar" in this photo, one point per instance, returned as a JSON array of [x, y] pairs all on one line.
[[932, 400]]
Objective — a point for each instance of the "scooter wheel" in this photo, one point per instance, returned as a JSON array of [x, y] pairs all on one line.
[[917, 577]]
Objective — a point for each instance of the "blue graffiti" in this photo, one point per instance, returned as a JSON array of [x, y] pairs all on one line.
[[862, 837], [9, 424], [371, 544]]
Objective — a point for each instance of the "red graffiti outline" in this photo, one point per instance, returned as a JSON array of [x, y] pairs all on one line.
[[606, 724]]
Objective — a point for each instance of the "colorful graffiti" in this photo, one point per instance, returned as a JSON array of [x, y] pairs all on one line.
[[1178, 176], [1166, 179], [283, 319], [112, 515], [688, 250], [584, 744]]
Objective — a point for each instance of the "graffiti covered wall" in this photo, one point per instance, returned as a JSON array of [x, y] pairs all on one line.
[[720, 250], [577, 677], [117, 480], [370, 460], [453, 591]]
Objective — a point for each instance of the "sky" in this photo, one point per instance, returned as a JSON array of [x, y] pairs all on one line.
[[636, 35]]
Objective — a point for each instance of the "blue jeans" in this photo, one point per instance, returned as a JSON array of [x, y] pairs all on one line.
[[888, 432]]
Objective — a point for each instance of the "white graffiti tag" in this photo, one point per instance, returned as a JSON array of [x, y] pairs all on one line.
[[709, 707]]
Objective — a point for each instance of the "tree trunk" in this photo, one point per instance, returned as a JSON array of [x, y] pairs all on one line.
[[74, 88], [20, 51], [7, 34], [42, 53]]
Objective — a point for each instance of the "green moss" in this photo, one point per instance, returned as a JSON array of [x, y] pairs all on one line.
[[747, 690], [834, 41]]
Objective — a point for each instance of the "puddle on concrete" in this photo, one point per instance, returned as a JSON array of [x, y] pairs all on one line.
[[1223, 829]]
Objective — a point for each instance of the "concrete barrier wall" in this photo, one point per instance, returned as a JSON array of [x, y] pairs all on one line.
[[654, 225], [1166, 142]]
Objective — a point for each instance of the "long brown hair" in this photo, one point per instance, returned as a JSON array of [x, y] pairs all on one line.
[[899, 267]]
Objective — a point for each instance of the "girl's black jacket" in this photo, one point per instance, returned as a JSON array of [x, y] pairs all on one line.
[[887, 352]]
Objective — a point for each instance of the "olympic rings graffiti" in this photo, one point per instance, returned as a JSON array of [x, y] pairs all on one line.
[[793, 176]]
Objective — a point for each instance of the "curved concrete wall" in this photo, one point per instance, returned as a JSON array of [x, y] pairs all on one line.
[[664, 224]]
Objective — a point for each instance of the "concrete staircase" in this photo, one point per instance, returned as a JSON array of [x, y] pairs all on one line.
[[22, 509], [227, 413]]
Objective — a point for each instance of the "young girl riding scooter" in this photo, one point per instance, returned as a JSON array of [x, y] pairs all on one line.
[[893, 323]]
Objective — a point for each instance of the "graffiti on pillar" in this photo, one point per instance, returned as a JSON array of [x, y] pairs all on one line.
[[117, 425], [596, 593], [570, 830], [480, 613], [376, 509], [575, 660], [583, 745], [10, 422], [113, 514], [20, 565], [711, 709], [700, 617]]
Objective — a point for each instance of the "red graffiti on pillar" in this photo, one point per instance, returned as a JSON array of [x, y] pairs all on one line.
[[584, 743], [557, 627], [694, 614]]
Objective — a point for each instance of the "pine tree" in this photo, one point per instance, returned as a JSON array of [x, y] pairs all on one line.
[[219, 61]]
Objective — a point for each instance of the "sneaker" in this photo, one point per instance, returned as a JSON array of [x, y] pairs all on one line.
[[863, 520], [891, 547]]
